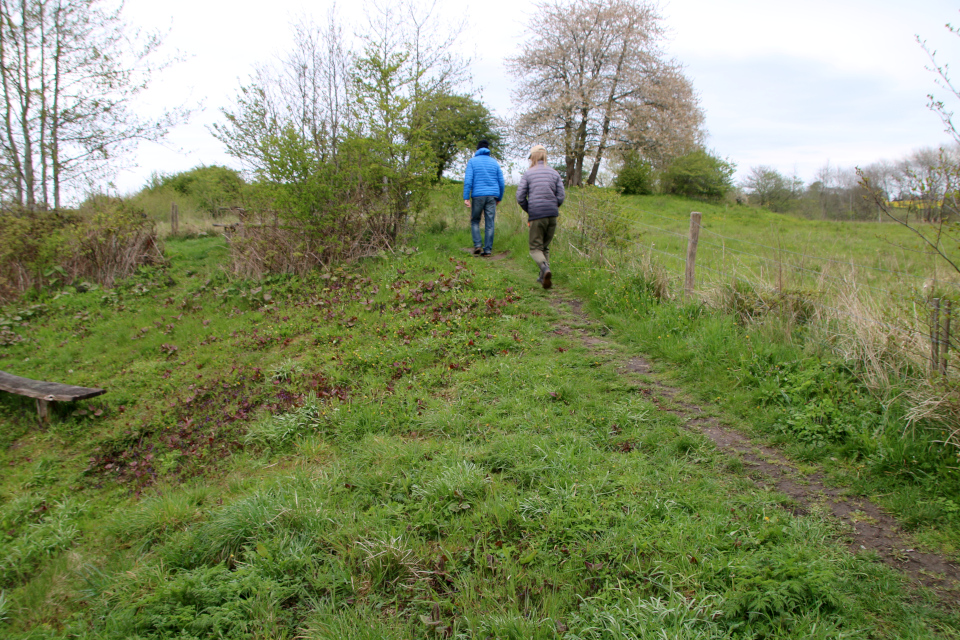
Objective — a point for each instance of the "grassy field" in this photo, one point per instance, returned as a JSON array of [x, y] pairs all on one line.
[[414, 448], [765, 246]]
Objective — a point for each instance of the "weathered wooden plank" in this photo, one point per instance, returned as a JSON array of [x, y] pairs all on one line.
[[49, 391]]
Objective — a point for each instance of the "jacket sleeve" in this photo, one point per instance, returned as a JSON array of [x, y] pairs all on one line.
[[522, 193], [500, 180], [561, 194], [468, 181]]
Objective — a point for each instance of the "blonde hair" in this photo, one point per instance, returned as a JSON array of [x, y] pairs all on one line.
[[537, 154]]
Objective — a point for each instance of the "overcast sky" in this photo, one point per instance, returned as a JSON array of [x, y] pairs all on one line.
[[793, 84]]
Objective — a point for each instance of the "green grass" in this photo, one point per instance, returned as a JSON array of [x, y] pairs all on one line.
[[406, 449], [762, 246], [193, 219]]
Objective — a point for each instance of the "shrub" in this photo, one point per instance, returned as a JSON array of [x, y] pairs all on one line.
[[596, 221], [106, 240], [30, 244], [636, 177], [699, 175], [307, 212], [211, 188], [114, 239]]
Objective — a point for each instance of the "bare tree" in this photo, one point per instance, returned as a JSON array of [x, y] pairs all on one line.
[[592, 77], [316, 78], [313, 88], [823, 187], [307, 90], [944, 81], [69, 70]]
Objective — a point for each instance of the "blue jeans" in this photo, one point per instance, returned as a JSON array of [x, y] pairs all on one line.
[[485, 206]]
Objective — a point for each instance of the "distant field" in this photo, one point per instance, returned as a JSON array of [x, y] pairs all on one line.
[[756, 245], [760, 245]]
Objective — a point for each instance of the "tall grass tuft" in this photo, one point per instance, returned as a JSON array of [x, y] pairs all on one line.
[[44, 531], [455, 488], [686, 618], [391, 564], [278, 431], [265, 242], [157, 517], [293, 505]]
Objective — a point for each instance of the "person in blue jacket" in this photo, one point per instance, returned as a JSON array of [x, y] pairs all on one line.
[[482, 191]]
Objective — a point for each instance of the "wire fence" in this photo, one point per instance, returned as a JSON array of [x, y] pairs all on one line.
[[901, 303]]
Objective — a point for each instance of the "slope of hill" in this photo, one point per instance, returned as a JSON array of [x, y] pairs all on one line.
[[423, 445]]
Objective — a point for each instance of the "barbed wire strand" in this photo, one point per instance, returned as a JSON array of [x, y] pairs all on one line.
[[821, 305], [818, 304], [776, 261], [816, 274], [805, 255], [845, 263]]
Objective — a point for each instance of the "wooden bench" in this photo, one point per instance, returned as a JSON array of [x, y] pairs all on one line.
[[45, 392]]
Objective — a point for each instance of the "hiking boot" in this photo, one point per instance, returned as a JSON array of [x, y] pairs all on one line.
[[485, 255], [545, 278], [477, 250]]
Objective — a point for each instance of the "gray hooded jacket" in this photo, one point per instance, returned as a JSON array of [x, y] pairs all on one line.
[[540, 193]]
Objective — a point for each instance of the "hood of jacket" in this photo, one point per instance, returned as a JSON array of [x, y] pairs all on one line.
[[482, 152]]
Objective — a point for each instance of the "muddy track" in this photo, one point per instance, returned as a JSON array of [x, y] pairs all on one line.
[[867, 527]]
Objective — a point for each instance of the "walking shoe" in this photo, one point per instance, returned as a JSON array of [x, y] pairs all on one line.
[[546, 276], [477, 250], [485, 255]]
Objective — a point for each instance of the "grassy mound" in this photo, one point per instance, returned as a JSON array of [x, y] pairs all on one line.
[[408, 448]]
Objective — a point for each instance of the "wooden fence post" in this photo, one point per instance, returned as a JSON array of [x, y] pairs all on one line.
[[935, 336], [174, 219], [945, 349], [690, 276]]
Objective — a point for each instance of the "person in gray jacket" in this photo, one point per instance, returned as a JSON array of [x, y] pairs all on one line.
[[540, 194]]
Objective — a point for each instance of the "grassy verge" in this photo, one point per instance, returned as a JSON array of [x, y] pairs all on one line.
[[786, 385], [404, 449]]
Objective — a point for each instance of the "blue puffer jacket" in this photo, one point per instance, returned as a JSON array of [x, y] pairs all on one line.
[[483, 178]]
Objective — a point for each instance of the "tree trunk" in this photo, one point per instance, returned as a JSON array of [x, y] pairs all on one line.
[[28, 175], [608, 109], [44, 114], [55, 112], [8, 105]]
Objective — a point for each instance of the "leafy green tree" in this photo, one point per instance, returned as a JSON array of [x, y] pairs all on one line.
[[383, 110], [636, 176], [699, 175], [452, 124], [770, 188], [343, 144]]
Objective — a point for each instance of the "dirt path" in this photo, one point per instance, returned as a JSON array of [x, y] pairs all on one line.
[[868, 528]]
